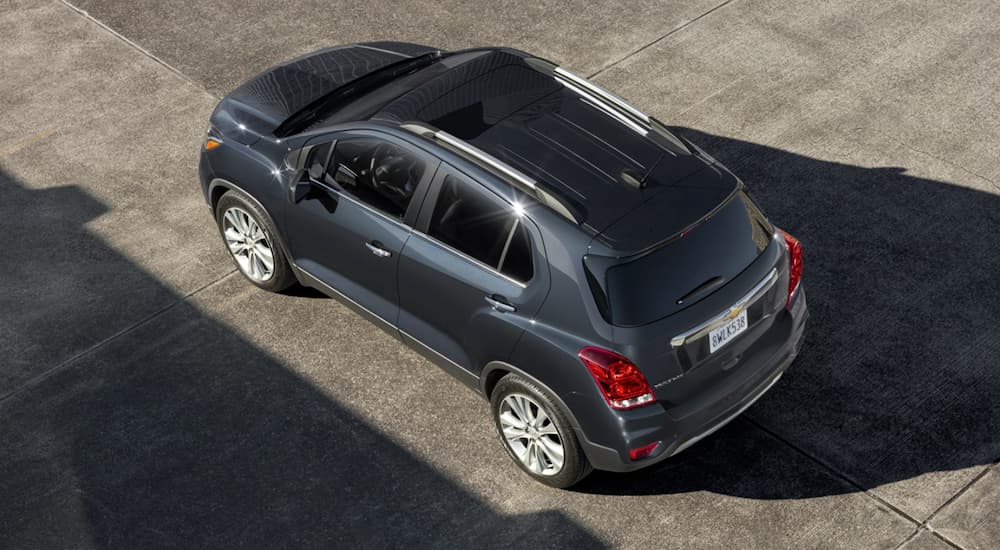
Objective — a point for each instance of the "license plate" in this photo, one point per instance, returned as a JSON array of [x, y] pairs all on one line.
[[722, 335]]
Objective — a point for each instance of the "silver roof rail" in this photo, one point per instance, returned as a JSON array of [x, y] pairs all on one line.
[[618, 103], [617, 107], [520, 180]]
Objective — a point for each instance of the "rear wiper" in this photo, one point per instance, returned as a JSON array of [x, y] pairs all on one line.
[[304, 117], [701, 290]]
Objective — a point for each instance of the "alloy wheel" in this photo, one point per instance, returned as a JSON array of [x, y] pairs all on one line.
[[531, 434], [248, 244]]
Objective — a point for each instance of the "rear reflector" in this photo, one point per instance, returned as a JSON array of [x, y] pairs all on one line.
[[644, 451], [620, 381], [794, 248]]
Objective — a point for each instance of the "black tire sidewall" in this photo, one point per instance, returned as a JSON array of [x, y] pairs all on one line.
[[575, 464], [283, 276]]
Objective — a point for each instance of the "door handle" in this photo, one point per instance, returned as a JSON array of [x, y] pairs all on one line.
[[500, 304], [376, 248]]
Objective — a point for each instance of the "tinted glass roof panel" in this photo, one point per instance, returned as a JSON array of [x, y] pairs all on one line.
[[574, 145]]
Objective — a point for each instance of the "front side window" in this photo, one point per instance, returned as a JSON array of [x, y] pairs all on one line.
[[377, 173], [483, 227]]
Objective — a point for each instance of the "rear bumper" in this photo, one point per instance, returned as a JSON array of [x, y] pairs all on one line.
[[653, 423]]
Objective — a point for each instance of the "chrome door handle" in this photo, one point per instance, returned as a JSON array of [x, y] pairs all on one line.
[[376, 248], [500, 305]]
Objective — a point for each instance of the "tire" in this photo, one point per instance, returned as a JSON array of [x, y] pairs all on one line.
[[514, 391], [241, 222]]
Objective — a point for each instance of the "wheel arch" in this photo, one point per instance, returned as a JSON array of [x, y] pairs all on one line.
[[219, 186], [496, 370]]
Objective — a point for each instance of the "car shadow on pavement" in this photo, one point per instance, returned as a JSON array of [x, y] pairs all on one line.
[[898, 374], [299, 291], [181, 433]]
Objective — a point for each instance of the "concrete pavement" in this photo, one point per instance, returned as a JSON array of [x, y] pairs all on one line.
[[152, 398]]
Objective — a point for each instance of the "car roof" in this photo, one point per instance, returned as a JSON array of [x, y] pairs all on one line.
[[529, 114]]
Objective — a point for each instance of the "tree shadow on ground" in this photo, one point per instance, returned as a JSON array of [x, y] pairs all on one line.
[[897, 377], [183, 434]]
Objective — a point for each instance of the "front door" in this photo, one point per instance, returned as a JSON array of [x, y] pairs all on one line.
[[348, 228]]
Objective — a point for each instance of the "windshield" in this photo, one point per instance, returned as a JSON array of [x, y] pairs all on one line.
[[355, 89]]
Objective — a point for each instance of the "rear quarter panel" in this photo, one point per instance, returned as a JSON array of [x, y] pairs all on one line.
[[568, 321]]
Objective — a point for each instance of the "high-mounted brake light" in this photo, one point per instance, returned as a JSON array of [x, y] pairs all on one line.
[[794, 248], [620, 381]]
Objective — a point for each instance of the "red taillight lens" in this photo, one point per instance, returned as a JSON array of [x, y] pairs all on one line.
[[621, 382], [794, 265]]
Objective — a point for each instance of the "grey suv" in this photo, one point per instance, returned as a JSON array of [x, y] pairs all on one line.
[[608, 286]]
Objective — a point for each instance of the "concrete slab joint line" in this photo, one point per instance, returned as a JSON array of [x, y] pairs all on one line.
[[147, 53], [930, 532], [928, 154], [835, 472], [922, 530], [678, 28], [45, 375]]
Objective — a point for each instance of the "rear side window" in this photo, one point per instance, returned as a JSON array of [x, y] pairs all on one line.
[[470, 220], [377, 173]]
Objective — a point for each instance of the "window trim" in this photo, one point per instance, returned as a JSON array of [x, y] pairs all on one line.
[[506, 246], [415, 231], [409, 219], [492, 270], [422, 226]]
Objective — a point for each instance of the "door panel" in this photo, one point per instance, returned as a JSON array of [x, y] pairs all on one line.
[[345, 221], [449, 300], [331, 232]]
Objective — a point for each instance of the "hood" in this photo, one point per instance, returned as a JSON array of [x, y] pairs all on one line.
[[261, 104]]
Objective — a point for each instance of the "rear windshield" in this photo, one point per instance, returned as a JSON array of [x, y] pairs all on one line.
[[662, 282]]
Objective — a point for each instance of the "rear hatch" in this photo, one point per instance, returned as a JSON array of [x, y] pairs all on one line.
[[678, 272], [694, 252], [691, 238]]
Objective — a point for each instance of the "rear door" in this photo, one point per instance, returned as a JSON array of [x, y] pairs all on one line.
[[472, 276], [347, 222]]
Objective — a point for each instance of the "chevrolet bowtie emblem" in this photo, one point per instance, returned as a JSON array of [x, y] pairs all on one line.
[[734, 312]]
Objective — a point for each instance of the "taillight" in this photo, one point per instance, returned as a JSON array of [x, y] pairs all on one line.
[[794, 248], [620, 381]]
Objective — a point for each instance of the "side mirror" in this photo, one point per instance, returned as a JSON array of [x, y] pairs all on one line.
[[294, 161], [300, 190]]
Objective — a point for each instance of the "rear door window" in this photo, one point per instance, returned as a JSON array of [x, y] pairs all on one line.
[[480, 225]]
